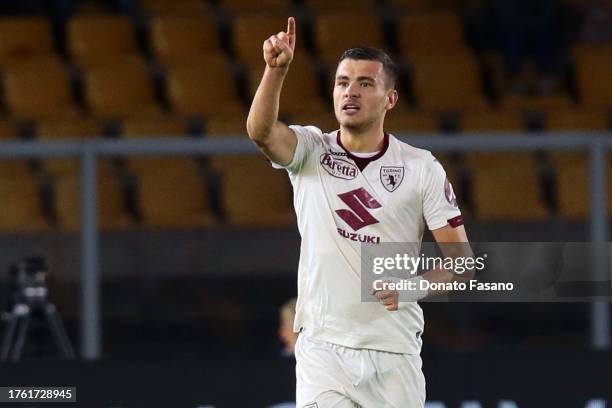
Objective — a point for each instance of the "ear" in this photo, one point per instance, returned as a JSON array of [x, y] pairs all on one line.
[[392, 98]]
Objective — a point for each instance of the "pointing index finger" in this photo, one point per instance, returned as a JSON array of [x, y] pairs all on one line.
[[291, 26]]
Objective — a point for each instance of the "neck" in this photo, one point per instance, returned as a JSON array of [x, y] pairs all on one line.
[[363, 141]]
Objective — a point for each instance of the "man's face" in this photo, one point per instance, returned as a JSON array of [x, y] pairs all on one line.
[[361, 94]]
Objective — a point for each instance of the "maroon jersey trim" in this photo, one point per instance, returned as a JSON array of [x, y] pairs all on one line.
[[362, 162], [456, 221]]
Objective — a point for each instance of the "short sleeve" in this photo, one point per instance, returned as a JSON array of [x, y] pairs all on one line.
[[439, 201], [307, 137]]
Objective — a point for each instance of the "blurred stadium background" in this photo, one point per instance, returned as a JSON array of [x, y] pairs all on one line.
[[197, 253]]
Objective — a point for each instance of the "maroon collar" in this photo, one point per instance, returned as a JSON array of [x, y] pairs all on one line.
[[362, 162]]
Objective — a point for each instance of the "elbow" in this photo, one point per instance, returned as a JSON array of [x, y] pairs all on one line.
[[257, 134]]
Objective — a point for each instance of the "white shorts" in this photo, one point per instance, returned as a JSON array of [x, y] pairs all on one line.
[[329, 375]]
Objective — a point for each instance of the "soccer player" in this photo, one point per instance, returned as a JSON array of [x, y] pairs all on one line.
[[357, 184]]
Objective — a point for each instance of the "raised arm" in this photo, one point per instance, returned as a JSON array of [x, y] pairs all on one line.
[[275, 139]]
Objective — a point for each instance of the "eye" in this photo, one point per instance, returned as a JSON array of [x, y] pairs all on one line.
[[366, 84], [342, 84]]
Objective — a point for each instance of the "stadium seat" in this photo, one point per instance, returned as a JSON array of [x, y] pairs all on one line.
[[153, 126], [119, 89], [506, 187], [572, 168], [178, 38], [573, 120], [158, 174], [593, 75], [421, 5], [401, 121], [341, 5], [448, 82], [66, 129], [219, 126], [95, 39], [175, 6], [301, 89], [190, 85], [254, 194], [21, 209], [38, 88], [421, 33], [250, 32], [24, 37], [537, 103], [11, 168], [112, 212], [19, 192], [334, 34], [173, 195], [248, 6], [324, 120], [493, 121]]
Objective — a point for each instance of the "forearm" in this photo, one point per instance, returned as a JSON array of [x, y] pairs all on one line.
[[263, 114]]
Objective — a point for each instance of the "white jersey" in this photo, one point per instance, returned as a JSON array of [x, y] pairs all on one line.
[[338, 207]]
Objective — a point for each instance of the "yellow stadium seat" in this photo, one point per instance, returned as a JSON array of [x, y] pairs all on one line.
[[226, 125], [573, 184], [112, 212], [38, 88], [254, 194], [250, 32], [175, 6], [95, 39], [24, 37], [190, 85], [577, 120], [66, 129], [150, 127], [421, 5], [506, 186], [153, 126], [173, 195], [573, 167], [181, 37], [248, 6], [334, 33], [12, 168], [495, 121], [537, 103], [593, 75], [301, 89], [422, 33], [402, 121], [120, 89], [324, 120], [21, 208], [448, 82], [341, 5]]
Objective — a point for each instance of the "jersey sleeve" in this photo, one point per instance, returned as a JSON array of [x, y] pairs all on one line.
[[439, 201], [307, 138]]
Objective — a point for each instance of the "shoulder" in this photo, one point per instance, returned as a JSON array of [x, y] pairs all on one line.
[[415, 155], [313, 135]]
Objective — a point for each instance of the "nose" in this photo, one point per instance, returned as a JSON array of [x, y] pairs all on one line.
[[352, 90]]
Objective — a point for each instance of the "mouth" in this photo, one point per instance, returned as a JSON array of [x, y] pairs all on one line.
[[350, 107]]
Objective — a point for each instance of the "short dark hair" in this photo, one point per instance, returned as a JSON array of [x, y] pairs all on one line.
[[374, 54]]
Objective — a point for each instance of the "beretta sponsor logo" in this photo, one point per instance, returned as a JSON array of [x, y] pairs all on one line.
[[337, 167]]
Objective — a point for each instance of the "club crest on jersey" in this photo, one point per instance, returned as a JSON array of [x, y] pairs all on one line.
[[339, 168], [391, 177], [449, 193]]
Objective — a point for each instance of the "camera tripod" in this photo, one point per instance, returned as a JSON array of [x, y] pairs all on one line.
[[19, 322]]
